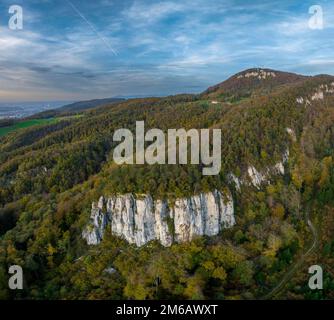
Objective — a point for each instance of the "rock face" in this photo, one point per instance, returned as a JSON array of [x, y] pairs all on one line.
[[140, 220], [319, 94], [261, 74], [256, 177]]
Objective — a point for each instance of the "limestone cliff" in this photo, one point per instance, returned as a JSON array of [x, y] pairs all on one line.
[[140, 219]]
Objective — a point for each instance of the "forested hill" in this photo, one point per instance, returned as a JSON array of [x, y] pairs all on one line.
[[76, 107], [50, 174], [252, 82]]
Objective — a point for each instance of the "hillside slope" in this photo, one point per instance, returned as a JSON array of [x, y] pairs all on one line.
[[76, 107], [251, 82], [50, 176]]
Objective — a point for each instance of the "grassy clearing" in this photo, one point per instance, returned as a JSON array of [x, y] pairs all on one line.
[[29, 123]]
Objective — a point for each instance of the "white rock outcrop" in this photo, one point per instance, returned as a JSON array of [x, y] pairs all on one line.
[[256, 177], [279, 167], [260, 74], [300, 100], [235, 180], [286, 156], [140, 219], [319, 94], [292, 134]]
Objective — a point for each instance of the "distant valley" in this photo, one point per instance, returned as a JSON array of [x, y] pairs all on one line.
[[17, 110]]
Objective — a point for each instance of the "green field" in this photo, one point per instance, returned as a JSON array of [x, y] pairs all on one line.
[[33, 122], [25, 124]]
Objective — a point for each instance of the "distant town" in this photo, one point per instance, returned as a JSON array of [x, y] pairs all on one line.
[[18, 110]]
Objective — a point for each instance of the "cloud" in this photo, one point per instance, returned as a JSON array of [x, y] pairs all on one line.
[[141, 12], [163, 47], [294, 26]]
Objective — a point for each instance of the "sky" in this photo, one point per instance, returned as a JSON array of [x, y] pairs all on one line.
[[83, 49]]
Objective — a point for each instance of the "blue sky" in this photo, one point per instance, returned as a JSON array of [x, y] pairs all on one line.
[[80, 49]]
